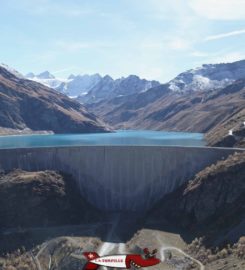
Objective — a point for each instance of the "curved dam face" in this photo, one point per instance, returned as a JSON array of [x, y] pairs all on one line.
[[118, 178]]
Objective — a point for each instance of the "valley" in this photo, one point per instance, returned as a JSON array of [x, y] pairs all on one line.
[[122, 135], [205, 99], [63, 200], [192, 109]]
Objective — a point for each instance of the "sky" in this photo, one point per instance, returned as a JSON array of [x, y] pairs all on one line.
[[155, 39]]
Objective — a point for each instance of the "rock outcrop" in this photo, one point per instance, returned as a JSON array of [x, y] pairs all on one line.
[[42, 198]]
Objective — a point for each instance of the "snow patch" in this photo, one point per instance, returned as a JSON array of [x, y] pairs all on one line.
[[12, 70]]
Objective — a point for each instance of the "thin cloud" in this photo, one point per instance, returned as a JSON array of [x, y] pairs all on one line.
[[225, 35], [219, 9]]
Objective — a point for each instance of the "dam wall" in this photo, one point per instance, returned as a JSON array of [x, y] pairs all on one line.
[[118, 177]]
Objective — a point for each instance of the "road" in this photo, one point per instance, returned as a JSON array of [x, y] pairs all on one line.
[[202, 267]]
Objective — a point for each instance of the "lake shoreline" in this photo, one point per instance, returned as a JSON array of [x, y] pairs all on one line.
[[19, 132]]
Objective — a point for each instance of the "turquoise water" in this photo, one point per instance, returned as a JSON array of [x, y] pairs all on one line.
[[117, 138]]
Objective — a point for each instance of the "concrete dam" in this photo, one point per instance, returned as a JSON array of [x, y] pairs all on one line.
[[118, 178]]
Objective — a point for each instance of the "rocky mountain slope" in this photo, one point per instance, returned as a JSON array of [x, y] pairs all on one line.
[[220, 134], [162, 109], [26, 104], [183, 104], [93, 88], [211, 204], [226, 258]]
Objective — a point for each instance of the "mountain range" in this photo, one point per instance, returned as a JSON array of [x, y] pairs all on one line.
[[209, 99], [183, 104], [30, 106], [46, 78], [94, 88], [208, 77]]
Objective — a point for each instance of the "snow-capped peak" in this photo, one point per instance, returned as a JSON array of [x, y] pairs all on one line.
[[94, 87], [206, 77], [46, 78], [45, 75]]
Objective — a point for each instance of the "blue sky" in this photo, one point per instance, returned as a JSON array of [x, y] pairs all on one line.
[[155, 39]]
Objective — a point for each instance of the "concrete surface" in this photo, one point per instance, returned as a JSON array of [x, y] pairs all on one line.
[[118, 177]]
